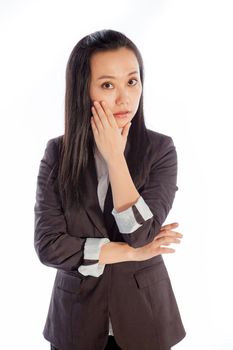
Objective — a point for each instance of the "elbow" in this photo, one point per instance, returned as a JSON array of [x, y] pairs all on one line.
[[45, 252], [143, 235], [40, 251]]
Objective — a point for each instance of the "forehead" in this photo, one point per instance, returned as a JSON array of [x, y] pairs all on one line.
[[115, 62]]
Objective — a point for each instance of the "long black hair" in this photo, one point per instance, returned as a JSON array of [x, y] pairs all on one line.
[[78, 140]]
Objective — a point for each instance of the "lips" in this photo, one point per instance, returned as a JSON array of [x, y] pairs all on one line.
[[122, 113]]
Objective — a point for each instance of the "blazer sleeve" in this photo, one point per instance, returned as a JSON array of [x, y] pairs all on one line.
[[55, 247], [140, 223]]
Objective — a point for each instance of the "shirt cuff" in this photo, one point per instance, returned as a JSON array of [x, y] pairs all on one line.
[[133, 217], [91, 252]]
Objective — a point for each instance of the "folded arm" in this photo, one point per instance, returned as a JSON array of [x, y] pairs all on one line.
[[139, 216], [139, 222], [54, 246]]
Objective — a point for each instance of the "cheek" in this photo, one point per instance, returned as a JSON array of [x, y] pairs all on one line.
[[137, 97], [109, 99], [92, 93], [97, 94]]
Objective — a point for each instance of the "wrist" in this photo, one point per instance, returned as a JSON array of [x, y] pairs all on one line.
[[115, 159], [132, 253], [115, 252]]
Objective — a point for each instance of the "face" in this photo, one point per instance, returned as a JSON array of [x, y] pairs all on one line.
[[115, 79]]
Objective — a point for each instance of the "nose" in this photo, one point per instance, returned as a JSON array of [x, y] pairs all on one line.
[[122, 97]]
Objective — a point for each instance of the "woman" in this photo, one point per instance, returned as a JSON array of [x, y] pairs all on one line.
[[103, 191]]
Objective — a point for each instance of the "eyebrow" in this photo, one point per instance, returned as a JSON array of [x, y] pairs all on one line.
[[112, 77]]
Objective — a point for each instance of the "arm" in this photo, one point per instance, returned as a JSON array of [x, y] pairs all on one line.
[[54, 246], [119, 251], [139, 216], [142, 215]]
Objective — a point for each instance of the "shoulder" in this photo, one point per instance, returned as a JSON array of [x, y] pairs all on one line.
[[55, 141], [163, 155], [159, 141], [52, 150]]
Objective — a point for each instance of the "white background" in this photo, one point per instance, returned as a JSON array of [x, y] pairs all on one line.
[[187, 51]]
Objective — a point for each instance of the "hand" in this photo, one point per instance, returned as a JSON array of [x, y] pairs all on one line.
[[165, 237], [109, 140]]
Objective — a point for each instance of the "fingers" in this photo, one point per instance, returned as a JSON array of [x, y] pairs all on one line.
[[166, 250], [99, 118], [162, 240], [109, 114], [170, 226], [166, 240], [168, 233], [168, 230], [102, 115], [159, 245]]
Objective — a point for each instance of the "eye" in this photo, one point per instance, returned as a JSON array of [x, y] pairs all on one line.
[[136, 81], [106, 85]]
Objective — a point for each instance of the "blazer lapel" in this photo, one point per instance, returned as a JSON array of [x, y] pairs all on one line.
[[91, 203]]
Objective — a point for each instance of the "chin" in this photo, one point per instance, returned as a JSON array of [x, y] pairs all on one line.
[[122, 123]]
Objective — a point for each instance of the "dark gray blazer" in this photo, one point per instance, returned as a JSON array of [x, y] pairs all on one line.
[[138, 296]]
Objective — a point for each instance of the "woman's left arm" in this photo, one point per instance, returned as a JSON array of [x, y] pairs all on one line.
[[139, 216]]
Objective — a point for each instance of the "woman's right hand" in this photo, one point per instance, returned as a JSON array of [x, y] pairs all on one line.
[[165, 237], [115, 252]]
